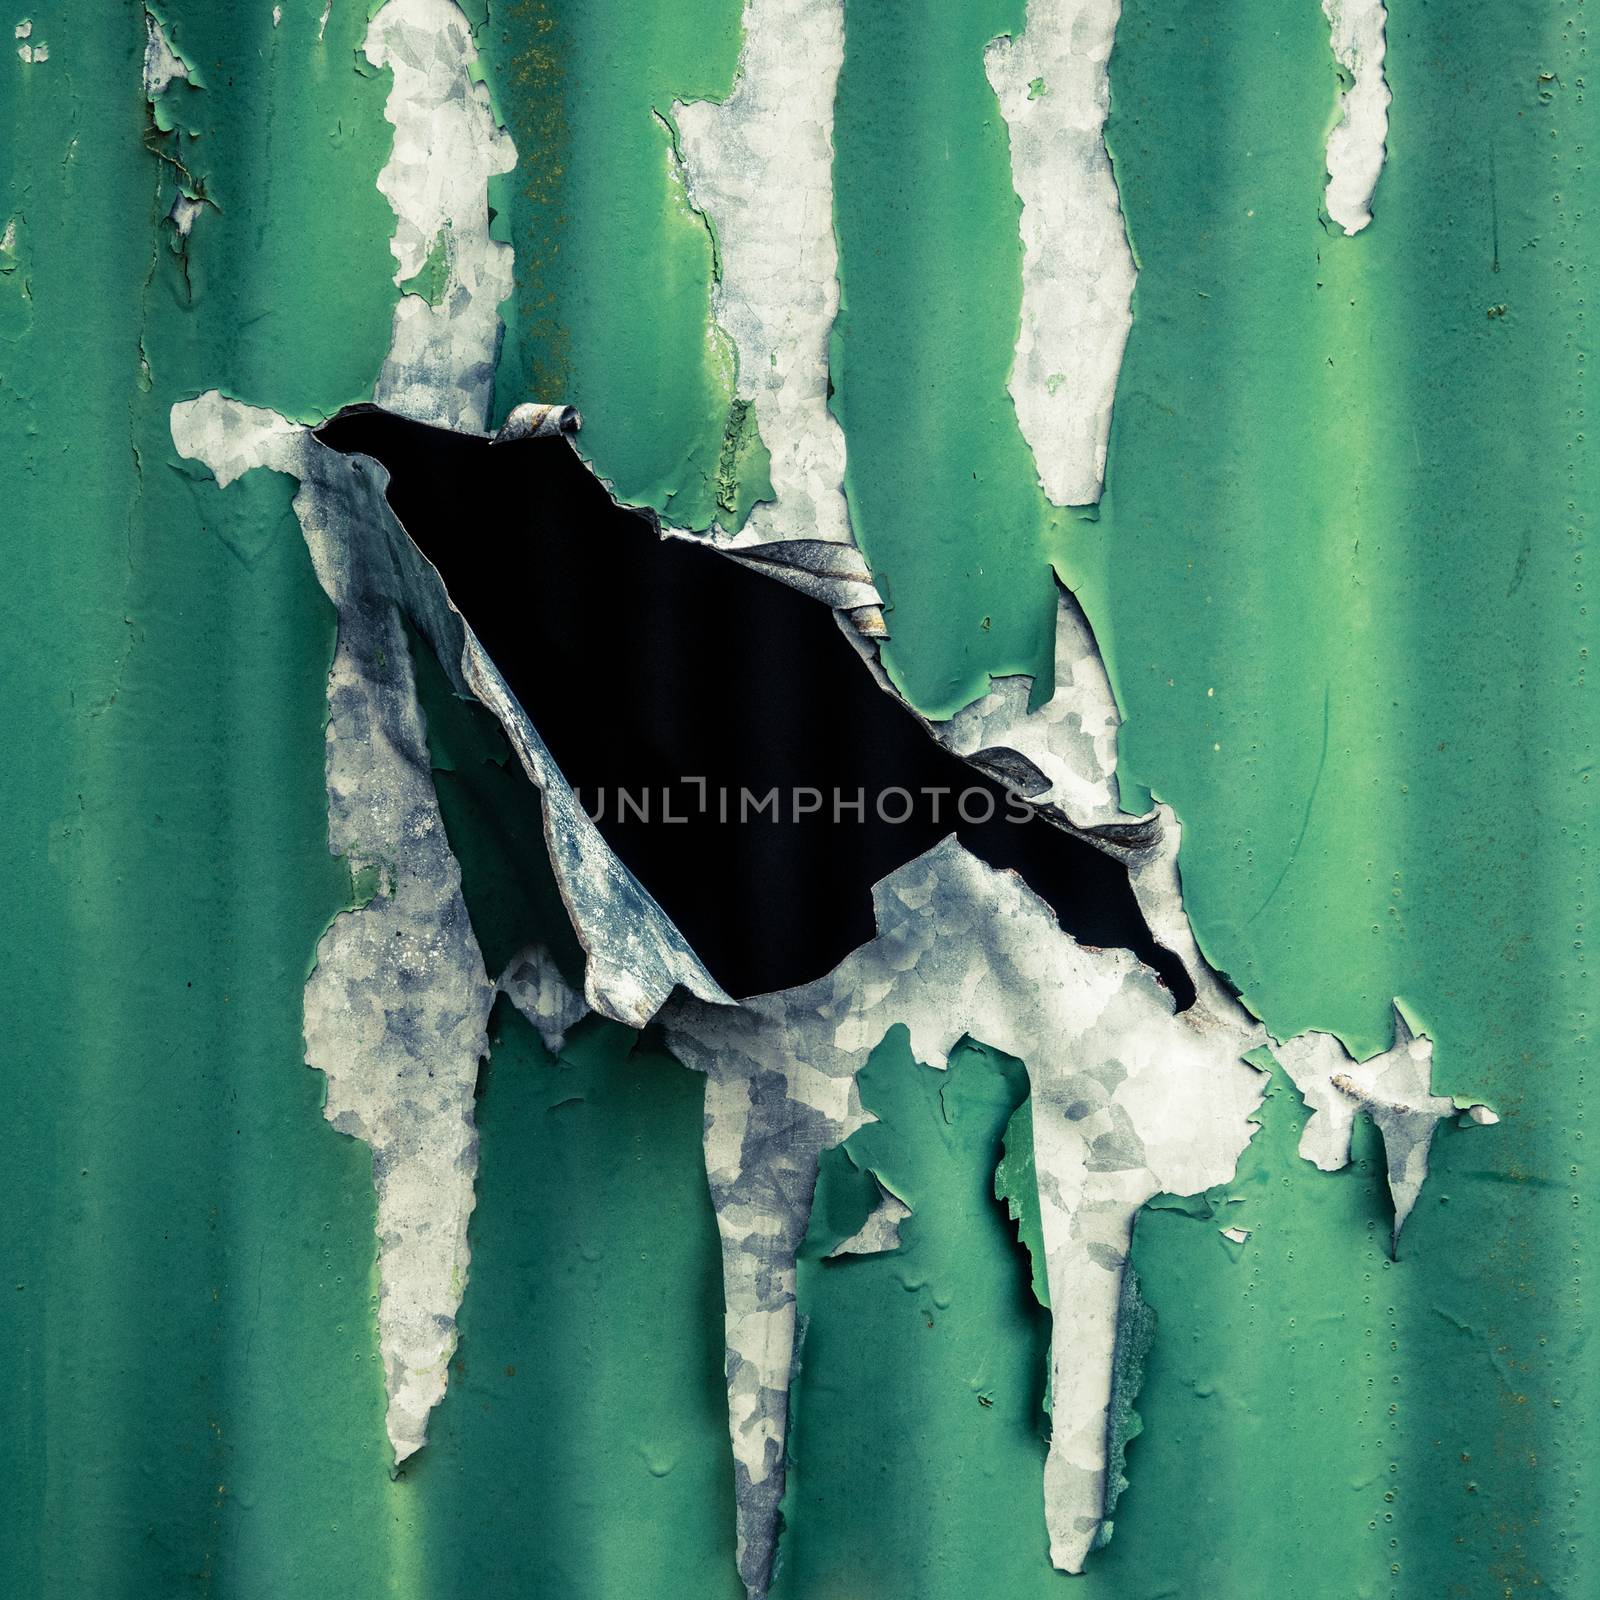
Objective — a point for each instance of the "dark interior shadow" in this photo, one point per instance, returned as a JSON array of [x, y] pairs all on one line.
[[647, 662]]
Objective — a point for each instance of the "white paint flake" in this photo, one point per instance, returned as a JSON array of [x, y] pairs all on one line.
[[534, 985], [447, 145], [396, 1009], [1077, 267], [1356, 142], [760, 167], [322, 21], [162, 64], [183, 212], [1130, 1099], [1394, 1088]]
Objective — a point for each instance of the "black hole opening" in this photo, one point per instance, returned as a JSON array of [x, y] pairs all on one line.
[[645, 662]]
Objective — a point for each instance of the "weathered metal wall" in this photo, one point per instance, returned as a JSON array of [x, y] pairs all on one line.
[[781, 258]]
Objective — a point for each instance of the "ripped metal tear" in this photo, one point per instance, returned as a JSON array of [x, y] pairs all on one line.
[[961, 950], [1060, 758], [396, 1008], [1356, 140], [634, 956], [1129, 1097], [1077, 265]]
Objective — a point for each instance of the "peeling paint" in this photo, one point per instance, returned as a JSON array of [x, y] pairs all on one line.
[[532, 982], [447, 146], [29, 53], [1061, 756], [162, 64], [1129, 1099], [759, 167], [396, 1008], [532, 420], [879, 1232], [1077, 268], [183, 212], [1394, 1088], [635, 957], [1356, 141]]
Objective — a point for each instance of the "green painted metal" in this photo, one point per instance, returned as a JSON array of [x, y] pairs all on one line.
[[918, 1444], [613, 303], [943, 493], [1338, 577]]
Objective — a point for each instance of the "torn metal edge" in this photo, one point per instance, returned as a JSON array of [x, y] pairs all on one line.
[[398, 1002]]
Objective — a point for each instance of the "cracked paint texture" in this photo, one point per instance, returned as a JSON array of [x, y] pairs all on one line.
[[447, 146], [1129, 1100]]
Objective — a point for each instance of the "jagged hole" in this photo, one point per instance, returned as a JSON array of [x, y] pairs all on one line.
[[647, 662]]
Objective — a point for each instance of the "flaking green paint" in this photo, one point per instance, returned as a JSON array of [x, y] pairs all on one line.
[[612, 310], [1016, 1182], [1339, 577], [944, 496], [916, 1453], [431, 279]]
